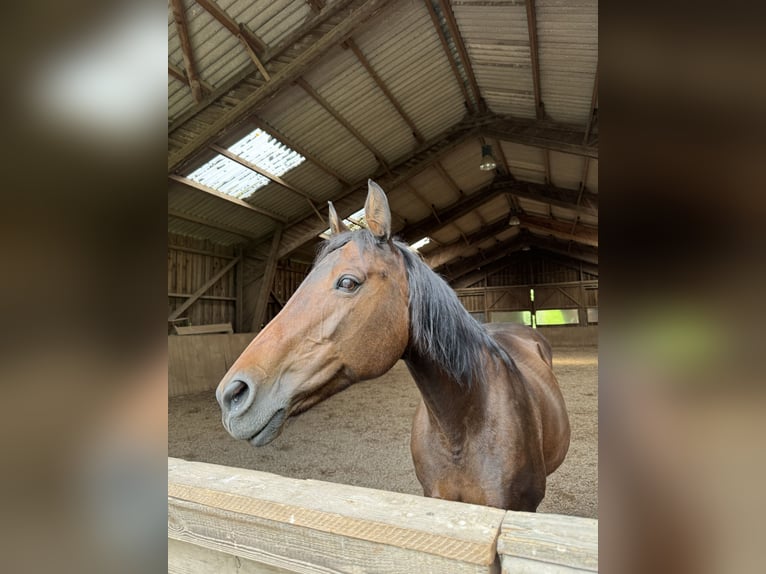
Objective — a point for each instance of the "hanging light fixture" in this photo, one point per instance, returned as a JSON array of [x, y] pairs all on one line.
[[514, 221], [487, 161]]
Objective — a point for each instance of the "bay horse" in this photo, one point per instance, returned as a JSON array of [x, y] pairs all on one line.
[[492, 423]]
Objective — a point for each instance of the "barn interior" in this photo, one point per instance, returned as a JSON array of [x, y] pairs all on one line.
[[478, 118]]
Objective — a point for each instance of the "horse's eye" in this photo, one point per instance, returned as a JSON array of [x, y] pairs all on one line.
[[347, 284]]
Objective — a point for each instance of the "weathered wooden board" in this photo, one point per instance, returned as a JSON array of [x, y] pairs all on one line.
[[548, 543], [202, 329], [314, 526]]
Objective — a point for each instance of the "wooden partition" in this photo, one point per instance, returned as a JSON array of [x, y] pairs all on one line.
[[223, 519]]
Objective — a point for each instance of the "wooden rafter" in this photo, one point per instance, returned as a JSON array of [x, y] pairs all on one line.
[[560, 230], [179, 15], [261, 304], [272, 52], [341, 120], [232, 26], [383, 88], [543, 134], [220, 195], [533, 55], [448, 179], [446, 253], [252, 43], [292, 71], [180, 75], [535, 61], [593, 109], [449, 16], [267, 174], [528, 132], [448, 53], [546, 194]]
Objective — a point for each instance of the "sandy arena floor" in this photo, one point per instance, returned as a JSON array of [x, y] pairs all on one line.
[[361, 436]]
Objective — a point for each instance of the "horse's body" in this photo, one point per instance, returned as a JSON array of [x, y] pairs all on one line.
[[492, 423]]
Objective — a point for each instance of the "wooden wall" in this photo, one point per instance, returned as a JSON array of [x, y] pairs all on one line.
[[191, 262], [556, 286]]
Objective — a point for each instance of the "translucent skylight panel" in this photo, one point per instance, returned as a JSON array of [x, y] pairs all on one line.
[[258, 148], [268, 153], [420, 243], [229, 177]]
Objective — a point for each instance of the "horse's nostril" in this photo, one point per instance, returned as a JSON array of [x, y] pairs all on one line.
[[239, 392], [235, 394]]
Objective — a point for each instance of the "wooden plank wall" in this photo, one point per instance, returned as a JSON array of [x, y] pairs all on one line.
[[223, 518], [556, 286], [191, 262]]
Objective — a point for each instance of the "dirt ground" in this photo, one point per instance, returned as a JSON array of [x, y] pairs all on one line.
[[361, 436]]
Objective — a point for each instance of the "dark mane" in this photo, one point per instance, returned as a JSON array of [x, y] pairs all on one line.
[[440, 327]]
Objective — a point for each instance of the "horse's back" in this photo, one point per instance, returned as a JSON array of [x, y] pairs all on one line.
[[532, 354]]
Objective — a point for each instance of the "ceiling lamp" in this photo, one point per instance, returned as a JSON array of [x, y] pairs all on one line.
[[514, 221], [487, 161]]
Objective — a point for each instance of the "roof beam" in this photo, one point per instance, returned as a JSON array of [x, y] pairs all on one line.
[[429, 152], [220, 195], [237, 29], [306, 28], [559, 230], [449, 16], [593, 109], [455, 211], [180, 75], [502, 184], [252, 43], [179, 15], [532, 31], [232, 118], [448, 54], [309, 89], [447, 253], [538, 133], [354, 196], [267, 174], [446, 177], [383, 88], [485, 257]]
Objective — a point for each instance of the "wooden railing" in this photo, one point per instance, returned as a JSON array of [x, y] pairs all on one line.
[[225, 519]]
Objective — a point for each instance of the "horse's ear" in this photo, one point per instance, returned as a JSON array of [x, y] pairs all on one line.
[[336, 225], [376, 211]]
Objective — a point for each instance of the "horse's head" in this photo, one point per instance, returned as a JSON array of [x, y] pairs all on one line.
[[348, 321]]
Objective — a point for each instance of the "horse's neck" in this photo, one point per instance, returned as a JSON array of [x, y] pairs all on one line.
[[451, 405]]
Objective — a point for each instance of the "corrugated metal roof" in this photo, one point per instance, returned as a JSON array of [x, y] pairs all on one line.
[[566, 170], [300, 117], [497, 40], [404, 50], [403, 47], [567, 33]]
